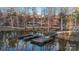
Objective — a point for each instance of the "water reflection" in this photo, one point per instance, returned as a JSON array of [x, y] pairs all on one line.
[[1, 44], [9, 42], [12, 42]]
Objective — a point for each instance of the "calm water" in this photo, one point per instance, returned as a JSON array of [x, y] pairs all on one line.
[[21, 45]]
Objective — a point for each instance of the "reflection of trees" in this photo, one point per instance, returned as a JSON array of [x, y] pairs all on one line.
[[1, 43], [62, 44], [12, 42]]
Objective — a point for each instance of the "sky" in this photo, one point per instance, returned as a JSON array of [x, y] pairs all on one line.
[[38, 9]]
